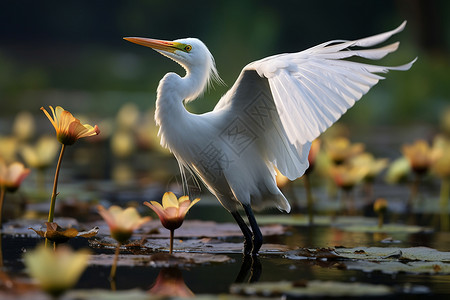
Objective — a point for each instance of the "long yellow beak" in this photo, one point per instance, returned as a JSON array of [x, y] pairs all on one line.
[[157, 44]]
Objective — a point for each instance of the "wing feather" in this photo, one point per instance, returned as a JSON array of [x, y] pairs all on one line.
[[311, 90]]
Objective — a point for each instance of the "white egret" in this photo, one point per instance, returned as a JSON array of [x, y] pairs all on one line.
[[276, 107]]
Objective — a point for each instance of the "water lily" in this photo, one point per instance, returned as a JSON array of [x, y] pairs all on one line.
[[11, 176], [347, 176], [398, 171], [42, 154], [68, 128], [172, 211], [420, 156], [56, 271], [40, 157], [374, 166], [23, 126], [9, 146], [170, 283], [380, 207], [122, 223], [441, 168], [340, 149]]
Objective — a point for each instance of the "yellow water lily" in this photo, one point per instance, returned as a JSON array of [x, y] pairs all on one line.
[[122, 222], [347, 176], [374, 166], [420, 156], [68, 128], [42, 154], [340, 149], [56, 271]]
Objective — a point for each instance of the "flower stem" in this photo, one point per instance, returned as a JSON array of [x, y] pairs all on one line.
[[51, 211], [443, 203], [380, 220], [2, 197], [171, 241], [112, 275], [55, 185], [309, 198]]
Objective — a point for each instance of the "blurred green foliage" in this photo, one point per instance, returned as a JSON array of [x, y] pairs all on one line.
[[71, 53]]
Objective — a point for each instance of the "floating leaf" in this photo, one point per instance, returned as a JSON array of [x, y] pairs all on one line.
[[200, 229], [204, 245], [311, 288], [58, 235], [403, 254], [393, 267], [387, 260], [387, 228], [302, 253], [160, 259], [292, 219]]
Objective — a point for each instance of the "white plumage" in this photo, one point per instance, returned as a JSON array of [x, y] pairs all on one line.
[[275, 109]]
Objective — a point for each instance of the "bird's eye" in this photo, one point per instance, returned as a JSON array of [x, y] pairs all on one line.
[[188, 48]]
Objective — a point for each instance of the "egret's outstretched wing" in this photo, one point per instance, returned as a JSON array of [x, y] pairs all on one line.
[[311, 90]]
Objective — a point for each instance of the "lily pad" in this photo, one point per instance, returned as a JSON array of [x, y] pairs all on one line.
[[160, 259], [303, 220], [402, 254], [393, 267], [417, 260], [204, 245], [311, 288], [200, 229], [21, 226], [209, 245], [134, 294], [292, 220], [387, 228], [57, 234]]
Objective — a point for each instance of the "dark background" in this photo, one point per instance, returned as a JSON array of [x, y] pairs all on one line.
[[71, 53]]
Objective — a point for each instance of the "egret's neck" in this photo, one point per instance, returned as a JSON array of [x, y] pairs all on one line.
[[171, 115]]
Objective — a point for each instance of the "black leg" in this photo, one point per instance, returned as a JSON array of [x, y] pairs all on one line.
[[245, 268], [248, 236], [257, 235], [256, 269], [249, 264]]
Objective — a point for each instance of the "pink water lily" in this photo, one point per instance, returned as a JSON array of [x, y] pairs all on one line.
[[172, 211]]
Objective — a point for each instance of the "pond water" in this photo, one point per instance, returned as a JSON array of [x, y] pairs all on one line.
[[272, 265]]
